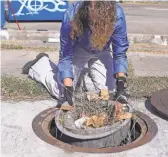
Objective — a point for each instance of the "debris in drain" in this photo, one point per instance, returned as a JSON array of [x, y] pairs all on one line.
[[136, 131], [133, 133], [124, 116], [95, 121], [95, 110], [66, 107], [103, 95], [79, 122]]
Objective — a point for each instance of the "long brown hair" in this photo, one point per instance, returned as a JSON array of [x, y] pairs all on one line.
[[102, 26]]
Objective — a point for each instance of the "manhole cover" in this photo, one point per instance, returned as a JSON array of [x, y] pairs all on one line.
[[159, 100], [142, 131]]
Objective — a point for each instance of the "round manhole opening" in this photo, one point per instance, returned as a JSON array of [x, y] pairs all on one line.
[[142, 130]]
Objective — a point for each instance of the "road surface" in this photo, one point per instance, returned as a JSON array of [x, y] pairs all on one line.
[[141, 18]]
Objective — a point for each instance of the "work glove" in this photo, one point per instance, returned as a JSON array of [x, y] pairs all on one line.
[[121, 84], [68, 93]]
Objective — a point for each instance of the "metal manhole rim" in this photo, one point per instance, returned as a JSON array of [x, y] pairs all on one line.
[[40, 128]]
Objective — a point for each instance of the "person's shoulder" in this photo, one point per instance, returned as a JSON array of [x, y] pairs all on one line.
[[119, 11], [72, 10]]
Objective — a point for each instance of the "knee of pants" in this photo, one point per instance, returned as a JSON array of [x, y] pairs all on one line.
[[101, 74], [91, 62], [97, 73], [97, 68]]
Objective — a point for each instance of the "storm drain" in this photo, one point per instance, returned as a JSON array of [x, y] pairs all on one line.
[[141, 131]]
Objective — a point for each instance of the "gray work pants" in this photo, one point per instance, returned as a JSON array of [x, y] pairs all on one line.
[[99, 73]]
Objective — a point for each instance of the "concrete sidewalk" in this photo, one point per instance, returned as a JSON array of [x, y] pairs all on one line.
[[12, 61], [144, 64], [19, 140]]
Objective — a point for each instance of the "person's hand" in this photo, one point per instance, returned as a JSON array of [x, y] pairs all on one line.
[[68, 93], [66, 102], [121, 84]]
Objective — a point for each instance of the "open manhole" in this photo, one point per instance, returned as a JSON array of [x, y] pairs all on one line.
[[142, 130]]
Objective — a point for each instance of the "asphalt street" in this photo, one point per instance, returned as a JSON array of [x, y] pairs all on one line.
[[147, 18], [141, 19]]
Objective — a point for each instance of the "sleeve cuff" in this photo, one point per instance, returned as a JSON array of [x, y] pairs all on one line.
[[66, 74], [121, 68]]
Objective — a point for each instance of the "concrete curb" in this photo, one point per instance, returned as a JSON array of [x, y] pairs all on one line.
[[149, 38], [53, 36]]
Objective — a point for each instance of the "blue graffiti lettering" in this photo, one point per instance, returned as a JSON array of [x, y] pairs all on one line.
[[35, 6]]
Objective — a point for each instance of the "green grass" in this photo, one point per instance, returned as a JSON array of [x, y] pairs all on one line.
[[11, 46], [130, 70], [26, 45], [144, 86], [14, 88], [20, 45]]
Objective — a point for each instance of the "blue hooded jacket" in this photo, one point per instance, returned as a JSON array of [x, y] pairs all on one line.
[[118, 40]]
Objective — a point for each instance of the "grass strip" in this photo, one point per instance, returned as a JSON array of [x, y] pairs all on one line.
[[17, 89]]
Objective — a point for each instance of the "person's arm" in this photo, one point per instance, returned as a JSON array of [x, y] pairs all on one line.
[[65, 59], [66, 52], [120, 45]]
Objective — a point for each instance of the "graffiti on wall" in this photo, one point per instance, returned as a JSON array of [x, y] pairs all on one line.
[[35, 6]]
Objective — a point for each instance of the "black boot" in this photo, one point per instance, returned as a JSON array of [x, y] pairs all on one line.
[[28, 65]]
